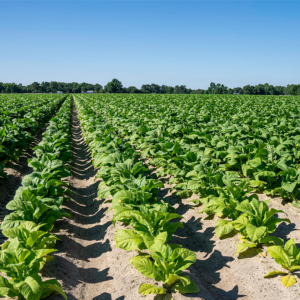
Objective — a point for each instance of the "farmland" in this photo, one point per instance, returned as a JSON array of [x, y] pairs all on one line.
[[132, 196]]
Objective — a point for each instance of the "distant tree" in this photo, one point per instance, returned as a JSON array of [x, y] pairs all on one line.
[[155, 88], [248, 89], [132, 90], [180, 89], [45, 87], [163, 89], [224, 89], [238, 90], [117, 87], [83, 87], [170, 90], [146, 88], [76, 87], [259, 89], [199, 91], [97, 87], [114, 86], [279, 90], [35, 86], [212, 88], [53, 86], [293, 89]]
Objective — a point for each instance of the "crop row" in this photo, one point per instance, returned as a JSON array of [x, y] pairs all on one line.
[[135, 203], [36, 206], [256, 139], [20, 121], [224, 193], [16, 106]]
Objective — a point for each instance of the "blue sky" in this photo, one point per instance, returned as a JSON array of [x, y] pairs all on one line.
[[164, 42]]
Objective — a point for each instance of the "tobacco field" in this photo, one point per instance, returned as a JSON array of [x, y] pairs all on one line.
[[124, 196]]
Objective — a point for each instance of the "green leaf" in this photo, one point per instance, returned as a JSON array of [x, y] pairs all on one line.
[[32, 288], [241, 222], [146, 289], [127, 239], [12, 220], [289, 186], [172, 279], [270, 213], [288, 244], [274, 273], [223, 227], [186, 286], [6, 288], [147, 268], [40, 209], [183, 258], [34, 236], [279, 255], [12, 233], [295, 268], [243, 246], [54, 285], [272, 239], [255, 233]]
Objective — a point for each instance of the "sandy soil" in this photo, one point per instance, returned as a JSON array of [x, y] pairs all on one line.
[[89, 267]]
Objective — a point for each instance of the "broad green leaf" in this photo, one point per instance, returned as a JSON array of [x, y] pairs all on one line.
[[186, 286], [275, 273], [183, 258], [289, 186], [34, 236], [127, 239], [12, 220], [279, 255], [223, 227], [32, 288], [148, 268], [172, 279], [255, 233], [54, 285], [12, 233], [295, 268], [243, 246]]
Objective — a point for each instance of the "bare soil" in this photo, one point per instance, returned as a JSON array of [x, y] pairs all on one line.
[[89, 267]]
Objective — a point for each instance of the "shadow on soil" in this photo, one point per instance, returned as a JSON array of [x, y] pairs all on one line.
[[205, 273], [74, 247], [106, 296]]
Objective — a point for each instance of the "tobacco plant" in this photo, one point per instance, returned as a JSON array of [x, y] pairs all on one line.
[[165, 263], [288, 256]]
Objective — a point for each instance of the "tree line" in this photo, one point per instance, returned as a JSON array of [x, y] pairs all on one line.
[[116, 86]]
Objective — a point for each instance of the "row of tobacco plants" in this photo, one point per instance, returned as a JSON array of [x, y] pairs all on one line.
[[136, 205], [222, 149], [36, 206], [21, 117]]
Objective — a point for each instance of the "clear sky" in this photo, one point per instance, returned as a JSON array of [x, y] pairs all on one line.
[[143, 42]]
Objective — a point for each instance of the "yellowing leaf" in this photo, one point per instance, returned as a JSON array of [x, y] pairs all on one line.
[[146, 289], [289, 280]]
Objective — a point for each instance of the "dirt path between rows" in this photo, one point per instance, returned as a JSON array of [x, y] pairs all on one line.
[[78, 263], [89, 267]]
